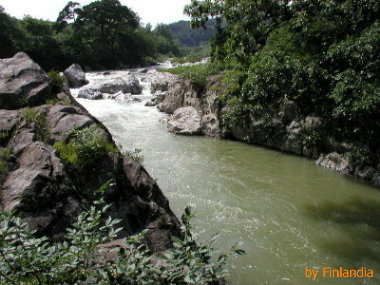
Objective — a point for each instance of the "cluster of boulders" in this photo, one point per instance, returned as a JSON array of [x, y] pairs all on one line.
[[41, 186], [199, 113]]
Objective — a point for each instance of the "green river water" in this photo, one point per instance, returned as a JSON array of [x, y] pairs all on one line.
[[288, 213]]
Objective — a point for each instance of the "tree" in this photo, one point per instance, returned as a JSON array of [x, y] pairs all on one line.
[[68, 14]]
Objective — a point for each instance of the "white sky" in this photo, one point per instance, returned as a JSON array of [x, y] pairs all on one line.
[[150, 11]]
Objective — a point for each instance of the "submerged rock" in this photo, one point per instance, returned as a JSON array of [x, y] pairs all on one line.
[[75, 76], [185, 121], [23, 82]]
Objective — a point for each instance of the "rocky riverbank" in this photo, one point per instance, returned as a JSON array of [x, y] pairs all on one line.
[[200, 113], [46, 190]]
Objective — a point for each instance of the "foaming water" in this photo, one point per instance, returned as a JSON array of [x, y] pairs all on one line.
[[289, 213]]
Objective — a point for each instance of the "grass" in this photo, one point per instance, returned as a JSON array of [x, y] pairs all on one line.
[[197, 74], [85, 148], [186, 59], [38, 118], [4, 165]]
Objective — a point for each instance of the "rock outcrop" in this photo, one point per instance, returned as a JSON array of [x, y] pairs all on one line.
[[182, 93], [75, 76], [47, 191], [23, 82], [185, 121], [286, 130]]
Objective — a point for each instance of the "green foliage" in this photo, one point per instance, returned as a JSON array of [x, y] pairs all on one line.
[[57, 80], [135, 155], [84, 148], [360, 156], [310, 137], [324, 55], [103, 34], [5, 155], [190, 58], [25, 259], [37, 119], [197, 74]]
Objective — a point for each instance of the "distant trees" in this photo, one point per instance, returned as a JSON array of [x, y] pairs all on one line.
[[103, 34]]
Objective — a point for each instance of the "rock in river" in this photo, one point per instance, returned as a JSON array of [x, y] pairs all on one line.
[[185, 121]]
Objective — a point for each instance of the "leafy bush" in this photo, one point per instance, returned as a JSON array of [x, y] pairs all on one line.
[[56, 79], [134, 154], [84, 148], [360, 156], [37, 119], [80, 260], [310, 137]]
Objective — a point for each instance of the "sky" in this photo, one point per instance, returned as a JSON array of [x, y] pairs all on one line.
[[150, 11]]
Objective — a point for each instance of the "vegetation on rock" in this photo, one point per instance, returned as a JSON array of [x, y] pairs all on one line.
[[323, 55], [82, 257], [84, 148]]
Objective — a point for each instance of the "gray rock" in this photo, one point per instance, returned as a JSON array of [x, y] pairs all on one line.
[[376, 179], [22, 82], [335, 161], [159, 81], [90, 94], [289, 110], [211, 125], [313, 122], [366, 173], [292, 141], [128, 84], [185, 121], [75, 76], [175, 97]]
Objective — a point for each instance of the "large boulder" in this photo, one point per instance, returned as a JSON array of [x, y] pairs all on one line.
[[75, 76], [23, 82], [185, 121], [39, 188], [159, 81], [47, 190], [128, 84], [335, 161]]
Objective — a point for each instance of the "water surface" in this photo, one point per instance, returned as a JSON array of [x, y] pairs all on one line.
[[289, 213]]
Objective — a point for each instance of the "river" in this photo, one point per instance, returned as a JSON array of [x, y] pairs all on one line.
[[288, 213]]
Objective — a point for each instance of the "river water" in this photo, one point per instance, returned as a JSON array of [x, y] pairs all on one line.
[[289, 214]]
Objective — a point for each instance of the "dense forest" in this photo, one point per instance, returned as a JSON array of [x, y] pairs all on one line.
[[102, 34], [323, 55]]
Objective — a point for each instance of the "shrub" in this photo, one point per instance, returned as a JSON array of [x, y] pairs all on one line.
[[310, 137], [37, 118], [84, 148], [57, 80], [80, 260], [135, 154], [360, 156]]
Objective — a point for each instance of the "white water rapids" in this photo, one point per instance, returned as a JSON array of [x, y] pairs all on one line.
[[289, 213]]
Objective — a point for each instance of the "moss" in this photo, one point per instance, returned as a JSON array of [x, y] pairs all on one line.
[[84, 148], [5, 155], [37, 118]]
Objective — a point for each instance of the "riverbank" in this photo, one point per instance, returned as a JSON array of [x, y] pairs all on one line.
[[288, 213], [304, 136]]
